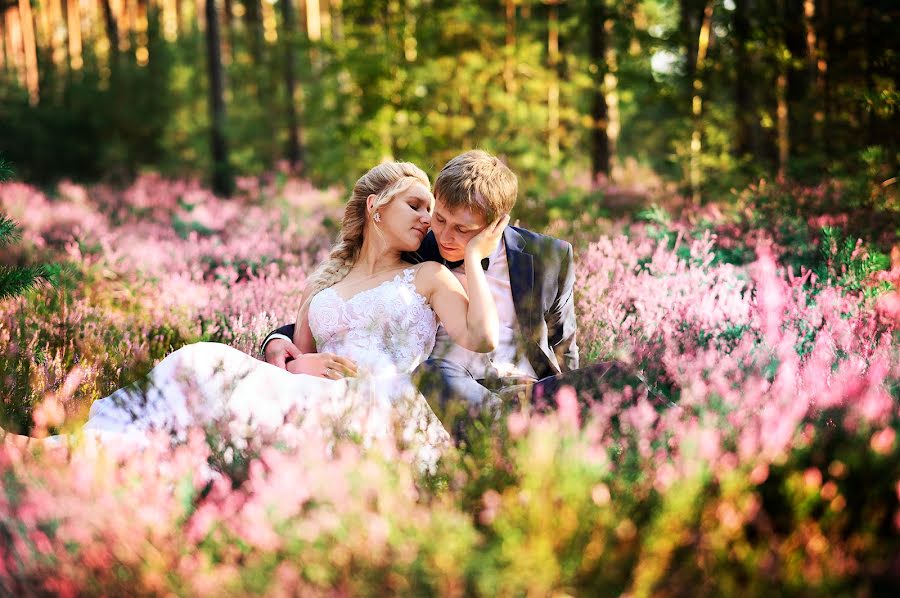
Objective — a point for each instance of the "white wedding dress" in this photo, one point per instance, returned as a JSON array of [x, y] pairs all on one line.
[[387, 330]]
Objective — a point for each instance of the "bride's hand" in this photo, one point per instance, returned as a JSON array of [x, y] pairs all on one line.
[[484, 243], [323, 365]]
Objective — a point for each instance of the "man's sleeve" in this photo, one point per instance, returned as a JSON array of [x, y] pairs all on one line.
[[285, 332], [561, 326]]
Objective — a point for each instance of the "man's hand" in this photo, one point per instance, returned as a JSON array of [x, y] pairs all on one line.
[[324, 365], [279, 351], [484, 243]]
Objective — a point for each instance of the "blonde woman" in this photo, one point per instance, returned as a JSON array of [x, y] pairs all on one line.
[[367, 319]]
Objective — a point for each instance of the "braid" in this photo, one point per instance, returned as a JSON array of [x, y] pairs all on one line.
[[384, 181], [335, 267]]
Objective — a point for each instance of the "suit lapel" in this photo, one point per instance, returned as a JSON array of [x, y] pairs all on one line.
[[521, 279]]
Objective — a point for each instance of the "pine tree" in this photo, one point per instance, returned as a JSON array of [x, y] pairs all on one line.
[[16, 280]]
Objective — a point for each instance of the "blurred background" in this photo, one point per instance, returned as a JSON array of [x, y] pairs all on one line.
[[697, 97]]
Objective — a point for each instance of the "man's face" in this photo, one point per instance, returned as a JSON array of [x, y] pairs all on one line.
[[454, 228]]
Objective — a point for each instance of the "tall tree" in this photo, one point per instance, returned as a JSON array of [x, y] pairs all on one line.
[[26, 22], [112, 28], [814, 62], [782, 62], [690, 20], [222, 176], [697, 101], [294, 151], [73, 16], [827, 77], [4, 61], [253, 24], [597, 46], [746, 139]]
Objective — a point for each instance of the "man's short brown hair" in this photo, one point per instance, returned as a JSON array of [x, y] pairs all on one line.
[[478, 181]]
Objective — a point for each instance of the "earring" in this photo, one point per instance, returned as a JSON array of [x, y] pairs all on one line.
[[376, 217]]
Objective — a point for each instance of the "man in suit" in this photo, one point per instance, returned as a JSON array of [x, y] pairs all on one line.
[[531, 277]]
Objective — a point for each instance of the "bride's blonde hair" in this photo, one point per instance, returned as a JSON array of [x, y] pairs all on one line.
[[384, 181]]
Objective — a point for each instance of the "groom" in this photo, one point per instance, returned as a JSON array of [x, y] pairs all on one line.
[[531, 277]]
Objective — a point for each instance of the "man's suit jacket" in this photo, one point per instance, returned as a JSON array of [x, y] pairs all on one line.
[[542, 278]]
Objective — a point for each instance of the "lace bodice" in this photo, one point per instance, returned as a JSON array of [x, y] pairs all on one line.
[[388, 329]]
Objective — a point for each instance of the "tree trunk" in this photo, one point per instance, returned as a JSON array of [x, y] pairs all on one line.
[[814, 72], [52, 14], [227, 33], [745, 139], [253, 23], [73, 16], [313, 20], [325, 16], [26, 20], [697, 103], [127, 23], [690, 21], [4, 62], [294, 151], [828, 48], [781, 86], [314, 32], [337, 21], [222, 178], [784, 145], [870, 53], [14, 49], [597, 44], [112, 28]]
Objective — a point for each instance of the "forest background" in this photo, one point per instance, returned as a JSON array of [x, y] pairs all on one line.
[[697, 96]]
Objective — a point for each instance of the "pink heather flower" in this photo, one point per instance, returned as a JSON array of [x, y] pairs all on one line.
[[600, 495], [889, 305], [517, 423], [492, 501], [812, 478], [759, 474], [567, 407], [883, 441]]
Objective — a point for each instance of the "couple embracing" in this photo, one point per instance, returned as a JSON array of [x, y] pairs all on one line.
[[427, 302], [530, 279]]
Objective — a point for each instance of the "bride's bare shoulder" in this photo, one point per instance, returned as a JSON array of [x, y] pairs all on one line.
[[431, 270], [430, 275]]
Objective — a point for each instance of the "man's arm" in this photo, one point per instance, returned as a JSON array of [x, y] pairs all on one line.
[[285, 332], [561, 325]]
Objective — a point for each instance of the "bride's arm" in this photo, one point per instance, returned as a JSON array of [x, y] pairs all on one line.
[[325, 365], [470, 319], [303, 336]]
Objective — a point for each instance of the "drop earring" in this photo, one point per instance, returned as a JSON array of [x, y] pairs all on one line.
[[376, 217]]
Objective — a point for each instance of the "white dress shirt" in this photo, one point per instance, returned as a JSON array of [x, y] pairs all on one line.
[[507, 360]]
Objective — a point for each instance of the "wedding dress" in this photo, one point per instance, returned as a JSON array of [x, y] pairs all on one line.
[[387, 331]]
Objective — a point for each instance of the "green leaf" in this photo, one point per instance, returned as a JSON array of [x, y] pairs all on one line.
[[9, 231]]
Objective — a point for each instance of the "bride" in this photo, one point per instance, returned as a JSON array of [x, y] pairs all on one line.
[[367, 318]]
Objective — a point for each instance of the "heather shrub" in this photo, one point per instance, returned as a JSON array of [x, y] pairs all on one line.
[[751, 448]]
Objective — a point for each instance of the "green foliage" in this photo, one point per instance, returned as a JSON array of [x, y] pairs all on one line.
[[425, 80], [18, 280], [848, 264], [105, 121]]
